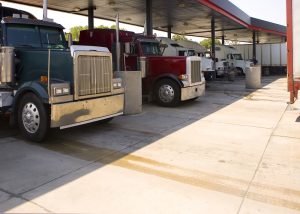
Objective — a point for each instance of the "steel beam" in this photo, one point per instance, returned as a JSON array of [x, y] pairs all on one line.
[[169, 31], [45, 9], [223, 40], [149, 21], [91, 17], [213, 37], [254, 46], [213, 44]]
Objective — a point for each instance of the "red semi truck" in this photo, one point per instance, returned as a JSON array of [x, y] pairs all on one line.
[[293, 43], [168, 80]]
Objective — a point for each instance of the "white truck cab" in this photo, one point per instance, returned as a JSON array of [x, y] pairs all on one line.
[[174, 49], [233, 57], [191, 48]]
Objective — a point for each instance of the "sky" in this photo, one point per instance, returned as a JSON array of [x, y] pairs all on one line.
[[269, 10]]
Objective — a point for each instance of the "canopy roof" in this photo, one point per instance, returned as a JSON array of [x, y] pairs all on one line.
[[187, 17]]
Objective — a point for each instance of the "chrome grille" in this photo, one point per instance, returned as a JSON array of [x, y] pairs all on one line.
[[94, 75], [196, 71]]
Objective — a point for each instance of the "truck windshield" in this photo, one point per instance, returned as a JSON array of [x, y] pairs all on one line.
[[35, 36], [52, 38], [237, 56], [191, 53], [151, 48]]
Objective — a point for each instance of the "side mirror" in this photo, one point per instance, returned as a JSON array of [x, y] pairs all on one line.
[[163, 46]]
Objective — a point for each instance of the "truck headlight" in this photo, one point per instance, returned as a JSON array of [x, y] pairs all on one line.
[[60, 89], [117, 83], [183, 77]]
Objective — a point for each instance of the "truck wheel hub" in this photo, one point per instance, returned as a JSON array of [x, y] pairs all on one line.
[[31, 118], [166, 93]]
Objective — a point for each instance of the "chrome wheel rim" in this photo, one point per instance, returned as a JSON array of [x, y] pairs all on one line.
[[166, 93], [31, 118]]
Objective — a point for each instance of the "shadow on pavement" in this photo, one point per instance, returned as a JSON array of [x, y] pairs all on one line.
[[30, 166]]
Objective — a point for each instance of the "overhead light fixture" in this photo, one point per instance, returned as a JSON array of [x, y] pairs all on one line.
[[76, 9]]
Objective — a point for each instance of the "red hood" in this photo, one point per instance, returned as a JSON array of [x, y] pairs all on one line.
[[160, 65]]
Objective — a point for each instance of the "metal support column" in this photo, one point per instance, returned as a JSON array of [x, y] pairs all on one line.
[[45, 9], [254, 47], [149, 21], [213, 44], [223, 40], [91, 17], [213, 37], [169, 31]]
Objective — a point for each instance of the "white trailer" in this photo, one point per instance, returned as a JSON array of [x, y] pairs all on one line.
[[271, 56]]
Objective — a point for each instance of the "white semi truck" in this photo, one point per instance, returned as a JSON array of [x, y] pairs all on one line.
[[189, 48], [233, 57], [172, 48], [269, 56], [206, 60]]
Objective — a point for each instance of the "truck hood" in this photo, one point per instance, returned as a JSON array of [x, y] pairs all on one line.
[[159, 65]]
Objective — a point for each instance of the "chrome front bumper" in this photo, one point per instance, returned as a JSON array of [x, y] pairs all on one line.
[[71, 114], [191, 92]]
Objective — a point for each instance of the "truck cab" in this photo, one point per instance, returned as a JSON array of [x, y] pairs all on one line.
[[236, 61], [167, 79], [46, 84], [207, 64], [233, 58], [173, 48]]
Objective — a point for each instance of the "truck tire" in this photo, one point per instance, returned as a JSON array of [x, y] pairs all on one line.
[[33, 119], [167, 93]]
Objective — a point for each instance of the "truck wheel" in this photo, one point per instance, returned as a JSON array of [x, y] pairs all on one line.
[[33, 118], [167, 93]]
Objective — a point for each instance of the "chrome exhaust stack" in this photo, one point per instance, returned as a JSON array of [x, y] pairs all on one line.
[[7, 65]]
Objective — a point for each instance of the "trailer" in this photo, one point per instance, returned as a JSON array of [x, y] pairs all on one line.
[[293, 44], [272, 57]]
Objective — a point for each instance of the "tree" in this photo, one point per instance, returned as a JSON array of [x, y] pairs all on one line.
[[178, 37], [207, 43], [75, 31]]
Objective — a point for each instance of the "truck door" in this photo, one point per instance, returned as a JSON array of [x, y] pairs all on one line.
[[230, 60]]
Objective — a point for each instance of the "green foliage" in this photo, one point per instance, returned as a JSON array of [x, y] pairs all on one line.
[[177, 37], [75, 31], [207, 43]]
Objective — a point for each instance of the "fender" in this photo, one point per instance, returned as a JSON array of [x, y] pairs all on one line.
[[33, 87], [169, 76]]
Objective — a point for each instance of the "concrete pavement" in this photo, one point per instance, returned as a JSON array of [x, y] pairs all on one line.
[[232, 151]]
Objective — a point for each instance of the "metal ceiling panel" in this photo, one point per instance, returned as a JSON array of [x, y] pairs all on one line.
[[187, 17]]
